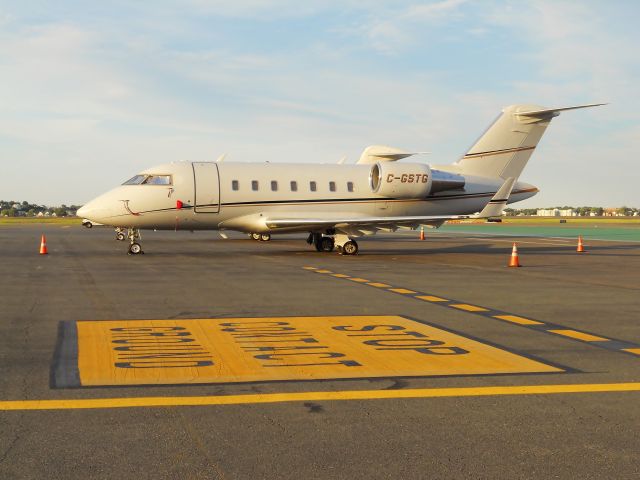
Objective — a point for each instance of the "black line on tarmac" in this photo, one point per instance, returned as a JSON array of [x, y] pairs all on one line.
[[64, 371], [496, 345], [608, 343]]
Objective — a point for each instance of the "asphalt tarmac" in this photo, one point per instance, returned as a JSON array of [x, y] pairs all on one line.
[[545, 381]]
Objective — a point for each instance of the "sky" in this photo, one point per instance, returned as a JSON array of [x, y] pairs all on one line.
[[93, 92]]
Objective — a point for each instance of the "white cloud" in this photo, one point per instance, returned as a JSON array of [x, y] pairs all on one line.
[[394, 28], [102, 101]]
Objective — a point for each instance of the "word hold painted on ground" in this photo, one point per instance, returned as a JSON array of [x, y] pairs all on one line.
[[145, 352]]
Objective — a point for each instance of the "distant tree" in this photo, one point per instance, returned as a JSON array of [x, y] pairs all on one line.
[[622, 210], [584, 211], [60, 211]]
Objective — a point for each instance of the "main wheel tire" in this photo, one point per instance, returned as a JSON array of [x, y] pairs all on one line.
[[88, 224], [135, 248], [327, 244], [255, 236], [121, 237], [265, 237], [350, 248]]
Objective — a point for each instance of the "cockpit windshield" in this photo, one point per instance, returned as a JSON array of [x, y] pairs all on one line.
[[158, 180], [137, 180], [149, 180]]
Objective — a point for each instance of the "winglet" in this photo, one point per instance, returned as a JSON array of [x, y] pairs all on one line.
[[497, 203]]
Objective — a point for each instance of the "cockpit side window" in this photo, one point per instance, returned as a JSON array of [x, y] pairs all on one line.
[[158, 180], [137, 180]]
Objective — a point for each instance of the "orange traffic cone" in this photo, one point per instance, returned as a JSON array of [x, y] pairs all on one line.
[[515, 261], [43, 245], [580, 248], [421, 232]]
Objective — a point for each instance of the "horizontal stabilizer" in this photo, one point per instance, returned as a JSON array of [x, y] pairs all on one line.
[[553, 112], [497, 203]]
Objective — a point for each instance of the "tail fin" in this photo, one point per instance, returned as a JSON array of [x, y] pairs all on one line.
[[504, 149]]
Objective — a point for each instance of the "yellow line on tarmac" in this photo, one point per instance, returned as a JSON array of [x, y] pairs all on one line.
[[468, 308], [579, 335], [404, 291], [635, 351], [431, 298], [517, 319], [73, 404]]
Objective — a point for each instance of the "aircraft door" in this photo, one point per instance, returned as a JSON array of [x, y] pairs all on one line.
[[207, 187]]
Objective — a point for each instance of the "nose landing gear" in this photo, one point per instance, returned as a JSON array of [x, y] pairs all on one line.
[[120, 234], [260, 237], [134, 237]]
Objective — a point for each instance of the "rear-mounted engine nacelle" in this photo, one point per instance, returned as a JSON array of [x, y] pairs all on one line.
[[401, 180]]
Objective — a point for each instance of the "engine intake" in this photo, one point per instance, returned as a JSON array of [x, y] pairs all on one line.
[[401, 180]]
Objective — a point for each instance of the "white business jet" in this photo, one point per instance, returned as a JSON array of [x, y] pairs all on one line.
[[335, 203]]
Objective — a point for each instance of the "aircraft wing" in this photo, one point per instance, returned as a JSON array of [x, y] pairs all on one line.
[[493, 208], [359, 225]]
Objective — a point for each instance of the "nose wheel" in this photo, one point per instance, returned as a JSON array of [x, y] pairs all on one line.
[[135, 249], [260, 237], [134, 236]]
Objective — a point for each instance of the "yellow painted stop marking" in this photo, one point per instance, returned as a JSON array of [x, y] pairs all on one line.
[[224, 350]]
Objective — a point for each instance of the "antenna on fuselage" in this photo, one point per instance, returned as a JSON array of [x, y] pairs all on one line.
[[221, 158], [342, 160]]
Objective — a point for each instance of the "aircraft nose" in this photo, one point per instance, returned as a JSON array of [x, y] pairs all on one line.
[[82, 211], [88, 210], [95, 210]]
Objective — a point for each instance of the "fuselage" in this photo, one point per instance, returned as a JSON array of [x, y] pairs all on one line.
[[237, 196]]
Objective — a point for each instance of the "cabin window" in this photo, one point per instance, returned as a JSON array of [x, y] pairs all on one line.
[[274, 186], [137, 180], [350, 186], [332, 186], [157, 180], [312, 186], [235, 185], [254, 185], [294, 186]]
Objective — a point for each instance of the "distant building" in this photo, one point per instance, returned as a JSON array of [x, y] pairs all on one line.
[[612, 212], [556, 212]]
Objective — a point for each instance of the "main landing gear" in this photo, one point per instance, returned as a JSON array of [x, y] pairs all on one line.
[[134, 237], [260, 237], [325, 243]]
